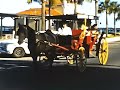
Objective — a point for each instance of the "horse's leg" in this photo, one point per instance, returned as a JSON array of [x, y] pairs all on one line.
[[50, 59], [82, 51], [33, 55]]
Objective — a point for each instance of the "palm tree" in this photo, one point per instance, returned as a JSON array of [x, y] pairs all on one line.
[[96, 9], [118, 16], [53, 3], [105, 6], [114, 8]]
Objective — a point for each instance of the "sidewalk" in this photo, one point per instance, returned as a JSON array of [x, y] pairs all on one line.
[[113, 39]]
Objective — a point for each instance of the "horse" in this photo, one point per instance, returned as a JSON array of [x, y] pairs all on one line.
[[36, 42]]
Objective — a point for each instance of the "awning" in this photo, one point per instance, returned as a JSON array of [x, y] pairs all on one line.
[[7, 15], [38, 12]]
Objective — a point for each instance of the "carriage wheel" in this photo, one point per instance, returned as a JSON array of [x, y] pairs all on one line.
[[81, 60], [103, 52]]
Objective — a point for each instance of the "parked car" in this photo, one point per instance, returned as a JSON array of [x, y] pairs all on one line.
[[12, 47]]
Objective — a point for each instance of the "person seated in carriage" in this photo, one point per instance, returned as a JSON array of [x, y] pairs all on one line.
[[65, 30], [93, 34], [65, 35], [83, 33]]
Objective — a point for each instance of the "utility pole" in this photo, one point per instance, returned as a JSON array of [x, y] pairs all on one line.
[[106, 23], [75, 13], [96, 10], [1, 27], [43, 15], [49, 13]]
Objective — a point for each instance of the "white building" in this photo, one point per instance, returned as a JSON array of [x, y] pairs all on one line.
[[13, 7], [86, 8]]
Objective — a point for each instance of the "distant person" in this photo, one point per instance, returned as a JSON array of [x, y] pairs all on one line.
[[94, 36], [94, 29], [65, 30], [83, 34]]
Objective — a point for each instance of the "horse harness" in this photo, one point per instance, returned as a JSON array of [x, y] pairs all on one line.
[[46, 40]]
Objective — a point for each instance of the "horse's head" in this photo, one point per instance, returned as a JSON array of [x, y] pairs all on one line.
[[21, 33]]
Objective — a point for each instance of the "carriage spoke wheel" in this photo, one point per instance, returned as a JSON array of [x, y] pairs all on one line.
[[103, 52], [81, 61]]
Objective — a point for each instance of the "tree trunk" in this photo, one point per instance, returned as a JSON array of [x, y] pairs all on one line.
[[114, 25], [43, 15], [1, 27], [106, 24], [75, 12], [49, 13], [96, 10]]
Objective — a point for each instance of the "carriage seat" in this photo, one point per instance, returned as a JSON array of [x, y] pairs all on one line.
[[76, 33], [65, 40]]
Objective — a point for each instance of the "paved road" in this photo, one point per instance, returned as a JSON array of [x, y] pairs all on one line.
[[18, 75]]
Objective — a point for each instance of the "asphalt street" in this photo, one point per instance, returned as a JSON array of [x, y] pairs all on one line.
[[19, 74]]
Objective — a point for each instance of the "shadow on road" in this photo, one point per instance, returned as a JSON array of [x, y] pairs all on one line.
[[19, 75], [10, 56]]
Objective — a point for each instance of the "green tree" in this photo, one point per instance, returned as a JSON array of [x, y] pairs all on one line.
[[29, 1], [105, 6], [115, 9]]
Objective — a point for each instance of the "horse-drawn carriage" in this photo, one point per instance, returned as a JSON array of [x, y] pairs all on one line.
[[49, 46]]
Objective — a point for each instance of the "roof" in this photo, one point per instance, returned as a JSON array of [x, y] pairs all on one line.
[[37, 11], [73, 17], [7, 15], [19, 16]]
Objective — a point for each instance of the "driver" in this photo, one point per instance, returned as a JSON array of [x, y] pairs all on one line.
[[65, 30]]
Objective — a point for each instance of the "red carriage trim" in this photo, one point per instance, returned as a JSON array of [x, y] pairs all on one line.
[[76, 32], [55, 45]]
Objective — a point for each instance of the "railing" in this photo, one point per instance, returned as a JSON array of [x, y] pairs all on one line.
[[110, 30]]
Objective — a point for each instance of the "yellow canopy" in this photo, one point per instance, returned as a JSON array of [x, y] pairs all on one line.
[[38, 12]]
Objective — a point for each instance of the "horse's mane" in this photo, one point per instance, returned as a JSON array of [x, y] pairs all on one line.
[[30, 29], [30, 34]]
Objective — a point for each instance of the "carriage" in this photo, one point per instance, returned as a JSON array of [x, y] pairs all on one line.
[[74, 49]]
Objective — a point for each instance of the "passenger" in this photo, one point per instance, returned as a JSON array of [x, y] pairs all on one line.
[[66, 38], [83, 33], [65, 30], [94, 32], [94, 37], [84, 27], [94, 29]]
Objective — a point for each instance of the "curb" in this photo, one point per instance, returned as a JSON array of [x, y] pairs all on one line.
[[114, 39]]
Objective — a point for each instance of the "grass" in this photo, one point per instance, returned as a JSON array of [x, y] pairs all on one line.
[[112, 35]]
